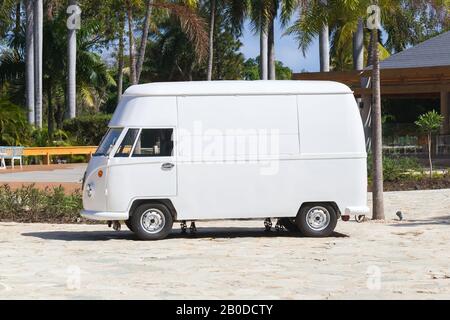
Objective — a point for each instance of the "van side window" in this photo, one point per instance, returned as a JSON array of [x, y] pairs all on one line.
[[127, 144], [154, 143]]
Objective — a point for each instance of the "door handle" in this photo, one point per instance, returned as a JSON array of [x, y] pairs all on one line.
[[167, 166]]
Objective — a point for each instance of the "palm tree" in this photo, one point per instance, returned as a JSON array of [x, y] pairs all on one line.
[[120, 56], [38, 55], [377, 138], [29, 58], [358, 46], [143, 46], [324, 42], [132, 53], [72, 67], [192, 24], [260, 16], [211, 39]]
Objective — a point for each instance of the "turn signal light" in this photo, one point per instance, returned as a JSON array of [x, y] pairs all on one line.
[[100, 173]]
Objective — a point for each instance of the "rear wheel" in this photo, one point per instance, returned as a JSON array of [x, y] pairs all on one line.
[[151, 222], [317, 220], [289, 224]]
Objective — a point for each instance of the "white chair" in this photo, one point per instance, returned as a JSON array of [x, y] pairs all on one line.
[[2, 158], [13, 154], [17, 154]]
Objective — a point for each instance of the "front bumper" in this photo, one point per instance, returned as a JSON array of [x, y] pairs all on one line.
[[105, 216]]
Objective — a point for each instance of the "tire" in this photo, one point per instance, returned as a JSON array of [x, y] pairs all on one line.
[[151, 221], [317, 220], [128, 224], [289, 224]]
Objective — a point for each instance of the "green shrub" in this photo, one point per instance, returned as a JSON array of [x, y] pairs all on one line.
[[397, 168], [87, 130], [14, 128], [29, 204]]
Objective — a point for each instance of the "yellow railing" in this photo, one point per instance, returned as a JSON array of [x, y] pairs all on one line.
[[48, 152]]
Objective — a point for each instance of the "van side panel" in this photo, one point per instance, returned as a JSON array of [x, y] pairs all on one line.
[[331, 131], [330, 125], [224, 147], [329, 166]]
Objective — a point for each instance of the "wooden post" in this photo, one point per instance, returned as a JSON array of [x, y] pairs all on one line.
[[47, 159], [445, 112]]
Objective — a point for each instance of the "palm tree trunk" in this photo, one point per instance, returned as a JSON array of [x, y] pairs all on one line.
[[324, 48], [120, 58], [370, 49], [358, 46], [324, 43], [29, 60], [143, 47], [263, 48], [271, 50], [38, 53], [211, 39], [51, 112], [72, 70], [377, 139], [133, 79], [429, 154]]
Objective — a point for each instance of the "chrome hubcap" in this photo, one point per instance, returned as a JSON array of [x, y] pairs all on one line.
[[318, 218], [153, 221]]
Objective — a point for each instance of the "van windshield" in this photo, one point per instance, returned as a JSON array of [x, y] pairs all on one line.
[[108, 142]]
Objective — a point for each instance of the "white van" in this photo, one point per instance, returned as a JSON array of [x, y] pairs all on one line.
[[191, 151]]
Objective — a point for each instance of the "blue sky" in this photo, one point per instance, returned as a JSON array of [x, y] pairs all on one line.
[[286, 50]]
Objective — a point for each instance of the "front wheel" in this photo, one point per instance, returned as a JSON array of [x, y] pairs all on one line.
[[151, 222], [317, 221]]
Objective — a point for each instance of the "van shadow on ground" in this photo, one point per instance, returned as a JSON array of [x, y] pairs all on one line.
[[202, 233]]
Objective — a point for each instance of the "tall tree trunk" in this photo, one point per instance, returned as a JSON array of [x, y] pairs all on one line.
[[50, 111], [324, 48], [271, 50], [430, 141], [370, 51], [263, 49], [143, 47], [29, 60], [324, 43], [133, 79], [72, 70], [211, 39], [377, 137], [120, 58], [38, 53], [358, 46]]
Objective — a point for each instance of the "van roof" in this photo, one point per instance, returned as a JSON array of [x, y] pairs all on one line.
[[200, 88]]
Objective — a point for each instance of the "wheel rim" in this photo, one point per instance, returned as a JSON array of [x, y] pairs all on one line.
[[318, 218], [153, 221]]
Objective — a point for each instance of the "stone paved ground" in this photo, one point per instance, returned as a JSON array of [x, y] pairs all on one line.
[[237, 260]]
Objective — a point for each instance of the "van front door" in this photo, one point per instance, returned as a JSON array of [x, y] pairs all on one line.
[[143, 167]]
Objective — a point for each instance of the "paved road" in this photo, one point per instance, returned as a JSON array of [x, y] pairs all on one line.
[[72, 174], [237, 260]]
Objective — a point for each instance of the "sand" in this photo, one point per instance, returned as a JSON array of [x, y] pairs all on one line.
[[237, 260]]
